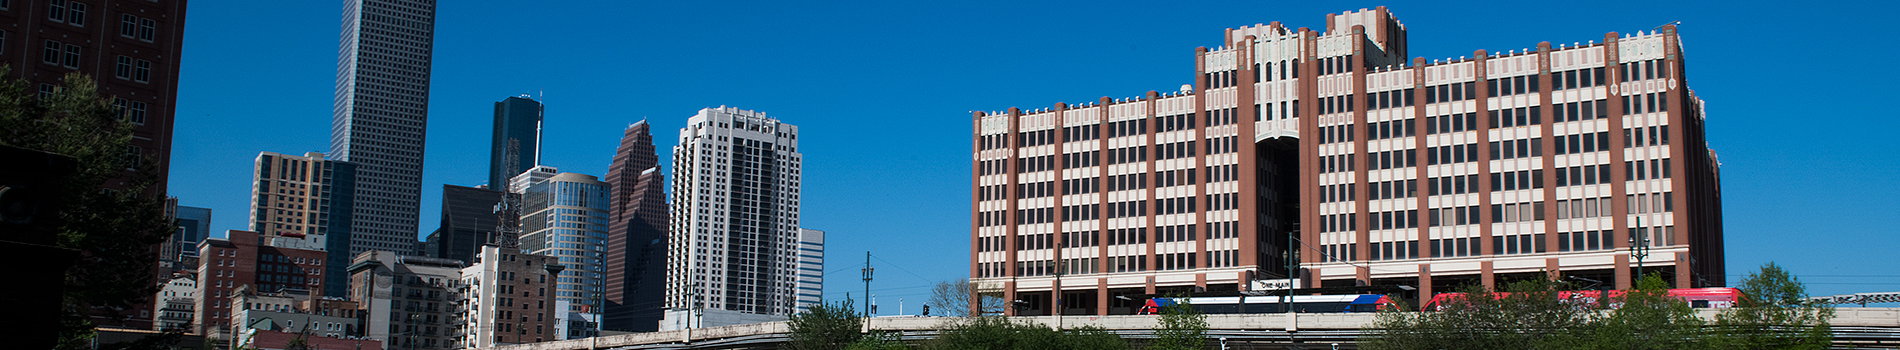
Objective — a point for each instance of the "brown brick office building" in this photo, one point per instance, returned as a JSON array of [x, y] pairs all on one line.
[[1426, 174]]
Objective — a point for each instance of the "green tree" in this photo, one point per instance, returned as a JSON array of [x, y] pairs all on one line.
[[1182, 327], [1775, 313], [998, 333], [826, 326], [111, 217], [877, 340], [1531, 315], [1647, 318]]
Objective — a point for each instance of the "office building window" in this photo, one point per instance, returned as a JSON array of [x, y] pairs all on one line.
[[72, 56], [124, 69], [51, 54], [143, 72]]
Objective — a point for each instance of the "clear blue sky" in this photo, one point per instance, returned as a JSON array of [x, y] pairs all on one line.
[[882, 92]]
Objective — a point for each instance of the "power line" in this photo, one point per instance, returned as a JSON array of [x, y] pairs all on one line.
[[899, 268]]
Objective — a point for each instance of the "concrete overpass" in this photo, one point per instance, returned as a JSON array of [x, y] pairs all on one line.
[[1861, 327]]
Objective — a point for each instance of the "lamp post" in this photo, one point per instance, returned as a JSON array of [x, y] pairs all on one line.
[[1639, 247]]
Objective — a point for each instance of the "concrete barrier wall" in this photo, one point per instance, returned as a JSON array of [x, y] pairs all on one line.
[[1844, 317]]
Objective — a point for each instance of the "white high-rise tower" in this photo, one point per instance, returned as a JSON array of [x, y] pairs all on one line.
[[735, 236], [382, 110]]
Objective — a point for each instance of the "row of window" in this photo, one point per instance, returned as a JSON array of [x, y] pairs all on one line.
[[1035, 164], [1339, 222], [1657, 135], [1390, 129], [1081, 239], [1221, 79], [61, 11], [1586, 240], [1081, 212], [1175, 122], [1451, 92], [1128, 209], [1451, 154], [1178, 205], [1220, 117], [1221, 173], [1513, 149], [1229, 229], [1081, 133], [60, 54], [1580, 110], [1035, 138], [1645, 203], [1645, 170], [1128, 128], [1576, 78], [1120, 236], [1081, 159], [1515, 117], [1175, 150], [1035, 241], [1394, 220], [1517, 85], [1178, 177], [1517, 212], [1338, 193], [1336, 104], [1583, 208], [1035, 190], [1127, 182], [1583, 143], [1335, 133], [1175, 261], [1583, 175], [1651, 69], [1223, 201], [1517, 180], [1393, 189], [1392, 159], [1176, 233], [1223, 258], [1219, 145], [1646, 103], [1395, 250], [1034, 216], [1451, 123], [1128, 263], [991, 192], [1080, 186], [1453, 216], [1338, 253], [1390, 99], [1128, 155]]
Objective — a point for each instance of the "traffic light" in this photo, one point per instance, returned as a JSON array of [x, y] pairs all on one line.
[[926, 310]]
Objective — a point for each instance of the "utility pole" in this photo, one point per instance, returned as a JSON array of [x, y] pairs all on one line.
[[867, 288]]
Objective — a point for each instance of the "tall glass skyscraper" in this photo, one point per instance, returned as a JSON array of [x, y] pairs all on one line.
[[517, 123], [382, 111]]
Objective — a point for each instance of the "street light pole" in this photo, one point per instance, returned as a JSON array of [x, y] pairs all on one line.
[[867, 289], [1639, 247]]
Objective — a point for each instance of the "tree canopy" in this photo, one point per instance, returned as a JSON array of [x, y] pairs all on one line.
[[112, 217]]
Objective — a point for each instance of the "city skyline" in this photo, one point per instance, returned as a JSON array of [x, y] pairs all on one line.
[[924, 175]]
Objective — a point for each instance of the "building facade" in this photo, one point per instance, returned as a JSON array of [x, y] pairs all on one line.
[[811, 269], [468, 222], [734, 234], [517, 131], [259, 312], [240, 260], [306, 202], [1426, 174], [510, 299], [565, 218], [133, 50], [382, 113], [180, 252], [176, 300], [636, 234], [406, 301]]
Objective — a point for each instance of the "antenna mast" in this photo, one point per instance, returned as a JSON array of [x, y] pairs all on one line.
[[508, 212]]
